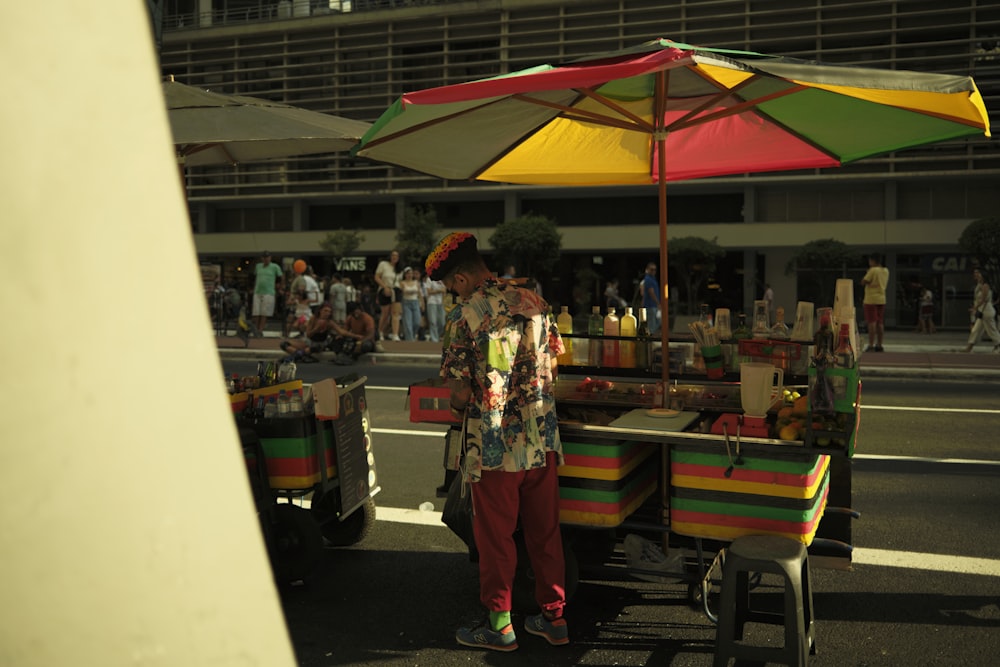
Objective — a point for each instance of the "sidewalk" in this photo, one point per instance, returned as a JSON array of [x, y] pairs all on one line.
[[908, 354]]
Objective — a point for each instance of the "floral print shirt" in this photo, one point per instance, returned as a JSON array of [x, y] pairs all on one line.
[[502, 340]]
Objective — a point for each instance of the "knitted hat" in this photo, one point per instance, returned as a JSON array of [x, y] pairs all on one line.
[[448, 253]]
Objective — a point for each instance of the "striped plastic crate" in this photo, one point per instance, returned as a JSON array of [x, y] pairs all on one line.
[[768, 494], [604, 481]]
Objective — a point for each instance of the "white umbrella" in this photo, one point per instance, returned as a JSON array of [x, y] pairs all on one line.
[[214, 128]]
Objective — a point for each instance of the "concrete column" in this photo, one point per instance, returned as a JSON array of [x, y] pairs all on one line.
[[204, 13]]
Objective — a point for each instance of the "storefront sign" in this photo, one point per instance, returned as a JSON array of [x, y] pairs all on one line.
[[351, 264], [947, 263]]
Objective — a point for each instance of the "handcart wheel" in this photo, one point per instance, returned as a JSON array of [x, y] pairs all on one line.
[[298, 543], [523, 593], [354, 528]]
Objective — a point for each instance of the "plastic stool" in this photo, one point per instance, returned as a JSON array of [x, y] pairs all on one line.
[[776, 555]]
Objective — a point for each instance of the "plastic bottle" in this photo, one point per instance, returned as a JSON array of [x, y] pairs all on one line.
[[642, 341], [595, 327], [742, 331], [233, 383], [844, 354], [564, 322], [612, 327], [271, 407], [629, 327], [284, 406], [295, 406], [780, 331]]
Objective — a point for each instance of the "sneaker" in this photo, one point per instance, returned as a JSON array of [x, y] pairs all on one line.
[[870, 348], [555, 632], [483, 636], [393, 337], [878, 348]]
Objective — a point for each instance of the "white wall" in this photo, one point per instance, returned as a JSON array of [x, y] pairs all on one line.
[[128, 531]]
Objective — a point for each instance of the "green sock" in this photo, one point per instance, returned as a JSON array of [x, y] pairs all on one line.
[[499, 619]]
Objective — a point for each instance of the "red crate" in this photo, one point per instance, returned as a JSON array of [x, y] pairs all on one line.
[[430, 402]]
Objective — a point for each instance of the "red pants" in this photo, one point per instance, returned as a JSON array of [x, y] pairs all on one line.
[[497, 501]]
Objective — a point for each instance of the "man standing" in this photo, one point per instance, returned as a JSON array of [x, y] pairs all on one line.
[[875, 282], [499, 361], [651, 298], [266, 278]]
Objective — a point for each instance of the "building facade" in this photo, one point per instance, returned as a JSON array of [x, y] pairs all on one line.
[[354, 59]]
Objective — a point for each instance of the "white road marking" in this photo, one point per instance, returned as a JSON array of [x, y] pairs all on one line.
[[903, 408], [920, 561]]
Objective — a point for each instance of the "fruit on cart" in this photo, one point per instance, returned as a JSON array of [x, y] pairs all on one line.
[[789, 432]]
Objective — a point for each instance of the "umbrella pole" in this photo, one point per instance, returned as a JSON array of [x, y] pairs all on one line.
[[660, 137], [664, 294]]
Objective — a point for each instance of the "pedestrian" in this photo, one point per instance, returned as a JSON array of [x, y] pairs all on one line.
[[500, 363], [769, 302], [651, 298], [875, 282], [338, 298], [355, 337], [434, 291], [612, 299], [388, 297], [412, 304], [318, 331], [982, 314], [267, 277], [926, 321]]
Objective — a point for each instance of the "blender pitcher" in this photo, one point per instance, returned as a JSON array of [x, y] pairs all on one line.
[[760, 387]]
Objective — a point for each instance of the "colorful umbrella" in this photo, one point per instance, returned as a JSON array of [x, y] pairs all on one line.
[[666, 111]]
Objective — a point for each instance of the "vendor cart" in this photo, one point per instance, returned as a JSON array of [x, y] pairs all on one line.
[[312, 473], [684, 483]]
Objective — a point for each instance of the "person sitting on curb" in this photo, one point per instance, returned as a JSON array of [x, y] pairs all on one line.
[[355, 337], [318, 332]]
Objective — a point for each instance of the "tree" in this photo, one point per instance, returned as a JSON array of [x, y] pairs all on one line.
[[981, 240], [418, 235], [341, 243], [691, 261], [819, 264], [530, 243]]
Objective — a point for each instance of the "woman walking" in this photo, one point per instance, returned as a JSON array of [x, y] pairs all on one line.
[[984, 315]]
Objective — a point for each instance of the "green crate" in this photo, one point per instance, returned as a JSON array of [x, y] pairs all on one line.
[[846, 384]]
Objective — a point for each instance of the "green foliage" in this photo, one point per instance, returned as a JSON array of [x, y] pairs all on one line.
[[342, 243], [818, 265], [531, 243], [691, 260], [417, 236], [981, 240]]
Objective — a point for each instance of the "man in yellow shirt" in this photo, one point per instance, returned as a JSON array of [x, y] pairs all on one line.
[[875, 282]]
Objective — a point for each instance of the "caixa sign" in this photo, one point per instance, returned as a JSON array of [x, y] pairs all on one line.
[[947, 263], [351, 264]]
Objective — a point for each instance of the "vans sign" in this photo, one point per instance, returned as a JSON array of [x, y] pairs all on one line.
[[351, 264]]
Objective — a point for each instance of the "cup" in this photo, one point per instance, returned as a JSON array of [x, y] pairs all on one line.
[[803, 329], [722, 324], [843, 300], [760, 387], [712, 355]]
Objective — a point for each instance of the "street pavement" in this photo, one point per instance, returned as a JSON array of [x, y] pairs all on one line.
[[907, 353]]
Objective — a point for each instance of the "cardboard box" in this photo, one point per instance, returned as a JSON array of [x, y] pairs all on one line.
[[326, 399], [430, 402]]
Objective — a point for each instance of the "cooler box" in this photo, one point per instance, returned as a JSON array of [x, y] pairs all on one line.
[[604, 481], [779, 494], [430, 401], [290, 448]]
